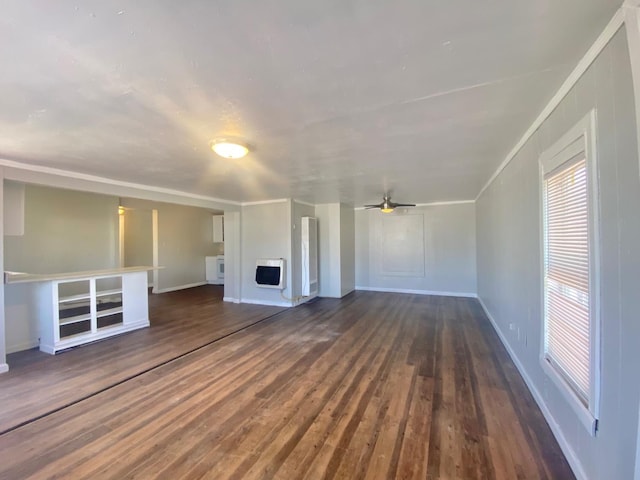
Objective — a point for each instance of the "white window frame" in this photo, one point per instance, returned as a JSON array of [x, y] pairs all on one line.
[[581, 138]]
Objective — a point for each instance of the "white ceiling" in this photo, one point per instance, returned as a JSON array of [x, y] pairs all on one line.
[[340, 99]]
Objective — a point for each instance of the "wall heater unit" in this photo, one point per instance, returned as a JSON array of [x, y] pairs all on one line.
[[309, 233], [270, 273]]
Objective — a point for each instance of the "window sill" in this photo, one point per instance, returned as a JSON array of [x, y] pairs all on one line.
[[588, 420]]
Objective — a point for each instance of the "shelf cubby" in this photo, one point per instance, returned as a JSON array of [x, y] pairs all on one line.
[[81, 310]]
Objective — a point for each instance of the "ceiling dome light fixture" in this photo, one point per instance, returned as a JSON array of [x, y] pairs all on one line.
[[229, 148]]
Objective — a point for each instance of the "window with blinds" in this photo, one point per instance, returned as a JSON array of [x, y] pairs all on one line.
[[567, 340], [570, 350]]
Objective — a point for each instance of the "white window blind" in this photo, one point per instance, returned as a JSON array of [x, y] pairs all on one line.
[[570, 351], [567, 340]]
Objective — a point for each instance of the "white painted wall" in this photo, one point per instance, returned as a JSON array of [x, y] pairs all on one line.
[[87, 183], [13, 208], [509, 264], [347, 250], [362, 238], [270, 230], [430, 249], [298, 210], [21, 334], [64, 231], [336, 249], [232, 257], [329, 277], [67, 230], [138, 239], [185, 238], [265, 233], [3, 353]]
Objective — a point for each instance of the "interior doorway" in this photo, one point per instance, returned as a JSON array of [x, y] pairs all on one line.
[[137, 239]]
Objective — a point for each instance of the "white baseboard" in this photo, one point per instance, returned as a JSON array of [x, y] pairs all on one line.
[[230, 299], [347, 292], [302, 300], [4, 367], [83, 339], [341, 295], [418, 292], [271, 303], [569, 453], [19, 347], [50, 349], [180, 287]]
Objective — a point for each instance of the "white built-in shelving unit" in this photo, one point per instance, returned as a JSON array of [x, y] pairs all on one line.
[[78, 308]]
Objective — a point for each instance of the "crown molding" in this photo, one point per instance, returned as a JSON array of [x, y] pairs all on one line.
[[67, 174], [263, 202], [437, 204], [304, 203], [632, 23]]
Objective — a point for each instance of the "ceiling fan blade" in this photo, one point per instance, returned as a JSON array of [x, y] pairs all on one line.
[[387, 204]]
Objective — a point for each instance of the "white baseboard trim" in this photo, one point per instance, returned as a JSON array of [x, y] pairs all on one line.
[[4, 367], [22, 346], [302, 300], [231, 299], [180, 287], [50, 349], [418, 292], [341, 295], [569, 453], [271, 303], [84, 339], [347, 292]]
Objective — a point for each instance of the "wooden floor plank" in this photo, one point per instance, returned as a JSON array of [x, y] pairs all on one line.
[[370, 386], [180, 322]]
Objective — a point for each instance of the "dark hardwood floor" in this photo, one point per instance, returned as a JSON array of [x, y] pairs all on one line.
[[38, 383], [370, 386]]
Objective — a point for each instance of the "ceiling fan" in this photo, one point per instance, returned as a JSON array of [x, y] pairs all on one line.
[[387, 206]]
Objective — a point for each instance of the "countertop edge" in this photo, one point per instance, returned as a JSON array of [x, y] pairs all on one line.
[[23, 277]]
